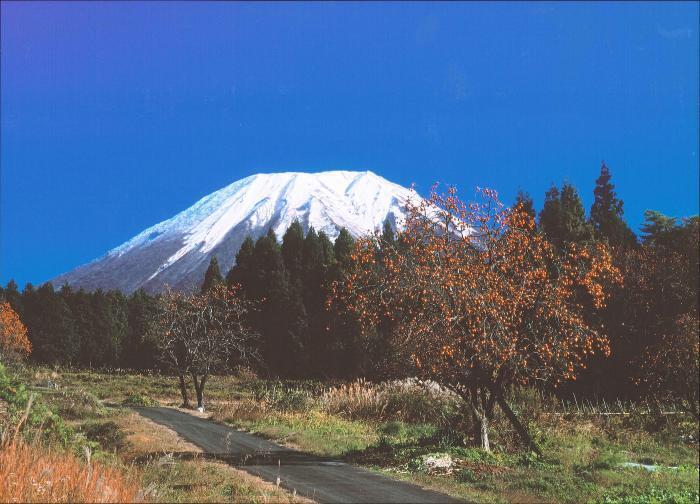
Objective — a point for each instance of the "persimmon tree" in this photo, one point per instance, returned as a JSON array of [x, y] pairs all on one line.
[[14, 343], [480, 301], [197, 334]]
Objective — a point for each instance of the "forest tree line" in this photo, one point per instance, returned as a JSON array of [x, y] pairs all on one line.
[[301, 335]]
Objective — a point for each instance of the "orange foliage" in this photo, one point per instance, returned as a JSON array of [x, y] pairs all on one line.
[[29, 473], [13, 334], [477, 297]]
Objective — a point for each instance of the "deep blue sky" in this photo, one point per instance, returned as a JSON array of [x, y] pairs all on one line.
[[118, 115]]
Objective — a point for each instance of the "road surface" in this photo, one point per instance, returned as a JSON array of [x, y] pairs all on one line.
[[321, 479]]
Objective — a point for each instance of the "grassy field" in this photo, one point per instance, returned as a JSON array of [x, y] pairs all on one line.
[[398, 429], [90, 424]]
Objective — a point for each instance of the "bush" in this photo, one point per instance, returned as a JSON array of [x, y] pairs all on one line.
[[139, 400], [107, 434], [78, 404]]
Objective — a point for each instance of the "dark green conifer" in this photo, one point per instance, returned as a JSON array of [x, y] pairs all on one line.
[[293, 249], [343, 246], [525, 202], [606, 213], [212, 276]]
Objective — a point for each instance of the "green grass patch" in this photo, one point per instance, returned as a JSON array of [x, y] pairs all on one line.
[[139, 400]]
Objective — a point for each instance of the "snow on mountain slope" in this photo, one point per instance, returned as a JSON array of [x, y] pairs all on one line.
[[177, 251]]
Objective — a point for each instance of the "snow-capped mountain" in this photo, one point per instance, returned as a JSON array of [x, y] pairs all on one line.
[[176, 252]]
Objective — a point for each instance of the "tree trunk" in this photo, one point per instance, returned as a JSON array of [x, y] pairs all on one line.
[[484, 434], [183, 391], [199, 389], [482, 421], [519, 427]]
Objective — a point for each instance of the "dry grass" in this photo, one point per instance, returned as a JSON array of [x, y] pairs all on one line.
[[146, 437], [32, 473], [397, 400]]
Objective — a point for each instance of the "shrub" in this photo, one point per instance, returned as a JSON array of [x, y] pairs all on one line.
[[78, 404], [139, 400], [107, 434]]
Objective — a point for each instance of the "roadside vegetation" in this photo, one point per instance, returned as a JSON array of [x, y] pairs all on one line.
[[61, 443], [592, 451]]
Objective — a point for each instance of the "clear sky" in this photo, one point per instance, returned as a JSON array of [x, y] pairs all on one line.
[[116, 116]]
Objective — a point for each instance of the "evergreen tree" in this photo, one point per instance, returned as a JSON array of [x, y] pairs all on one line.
[[525, 202], [212, 276], [658, 229], [327, 252], [563, 219], [14, 297], [50, 325], [139, 351], [573, 224], [549, 221], [293, 249], [242, 272], [606, 213], [388, 237], [281, 319], [342, 248]]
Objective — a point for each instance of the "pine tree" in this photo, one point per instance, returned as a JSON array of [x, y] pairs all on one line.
[[343, 246], [139, 351], [525, 202], [388, 238], [606, 213], [573, 225], [293, 249], [14, 297], [549, 221], [658, 229], [281, 319], [51, 326], [327, 252], [212, 276], [563, 219], [242, 272]]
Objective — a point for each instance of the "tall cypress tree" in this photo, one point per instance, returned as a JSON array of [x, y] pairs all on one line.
[[573, 225], [293, 249], [563, 219], [242, 272], [342, 248], [281, 319], [50, 325], [606, 213], [327, 252], [388, 238], [549, 221], [524, 201], [139, 350], [212, 276]]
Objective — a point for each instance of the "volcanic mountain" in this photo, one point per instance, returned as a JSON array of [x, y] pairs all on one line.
[[176, 252]]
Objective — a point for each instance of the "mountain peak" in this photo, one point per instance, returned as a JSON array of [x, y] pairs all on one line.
[[177, 251]]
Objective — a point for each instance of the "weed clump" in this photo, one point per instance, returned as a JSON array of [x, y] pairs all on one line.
[[139, 400], [107, 434]]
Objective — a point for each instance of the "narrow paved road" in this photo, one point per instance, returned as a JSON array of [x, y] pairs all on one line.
[[321, 479]]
